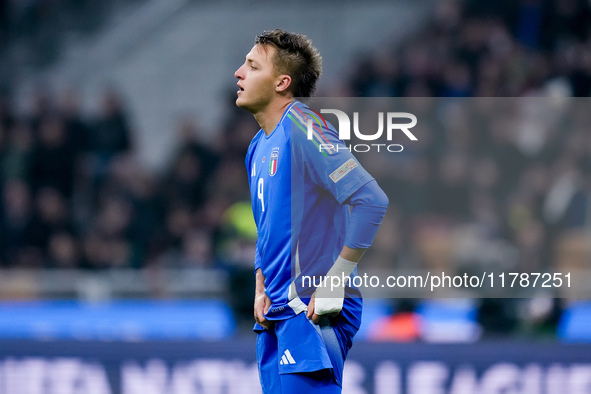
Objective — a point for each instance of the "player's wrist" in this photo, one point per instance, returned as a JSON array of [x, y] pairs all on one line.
[[330, 294], [342, 268], [259, 282]]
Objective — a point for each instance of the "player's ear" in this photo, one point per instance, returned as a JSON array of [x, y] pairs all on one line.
[[283, 82]]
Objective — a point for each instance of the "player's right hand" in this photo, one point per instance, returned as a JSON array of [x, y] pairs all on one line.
[[262, 303]]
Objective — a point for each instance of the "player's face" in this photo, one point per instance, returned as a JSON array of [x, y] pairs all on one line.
[[257, 79]]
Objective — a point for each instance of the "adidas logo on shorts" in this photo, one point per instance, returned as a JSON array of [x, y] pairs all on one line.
[[286, 358]]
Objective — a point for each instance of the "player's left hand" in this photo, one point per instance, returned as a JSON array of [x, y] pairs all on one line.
[[312, 312]]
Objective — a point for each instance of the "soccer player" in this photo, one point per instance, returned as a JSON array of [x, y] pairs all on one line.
[[316, 212]]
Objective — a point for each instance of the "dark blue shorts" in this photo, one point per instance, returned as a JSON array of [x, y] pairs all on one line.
[[297, 345]]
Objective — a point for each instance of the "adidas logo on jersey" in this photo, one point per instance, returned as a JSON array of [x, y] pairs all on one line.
[[286, 358]]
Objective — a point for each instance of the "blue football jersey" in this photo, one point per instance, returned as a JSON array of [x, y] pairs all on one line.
[[299, 183]]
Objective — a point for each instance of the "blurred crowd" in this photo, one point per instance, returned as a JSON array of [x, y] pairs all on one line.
[[477, 190], [481, 49], [75, 196]]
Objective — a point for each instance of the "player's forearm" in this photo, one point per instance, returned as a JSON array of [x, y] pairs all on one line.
[[352, 254], [329, 299], [369, 206], [260, 282]]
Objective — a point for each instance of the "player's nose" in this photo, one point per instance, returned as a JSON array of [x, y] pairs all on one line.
[[239, 74]]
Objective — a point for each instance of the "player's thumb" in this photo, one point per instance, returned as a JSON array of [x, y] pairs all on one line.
[[267, 306], [310, 310]]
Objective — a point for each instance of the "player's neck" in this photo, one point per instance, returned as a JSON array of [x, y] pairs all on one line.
[[271, 115]]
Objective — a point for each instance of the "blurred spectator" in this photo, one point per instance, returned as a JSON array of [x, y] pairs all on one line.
[[452, 187], [16, 213], [17, 152], [50, 216], [190, 140], [77, 129], [63, 251], [186, 181], [6, 115], [110, 136], [197, 250], [53, 159], [498, 317]]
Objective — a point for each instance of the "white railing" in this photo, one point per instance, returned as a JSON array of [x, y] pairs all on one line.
[[113, 283]]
